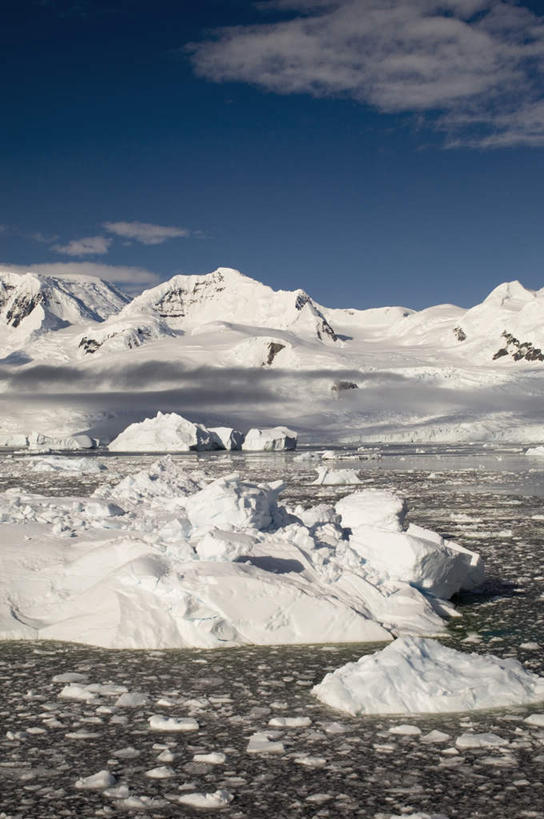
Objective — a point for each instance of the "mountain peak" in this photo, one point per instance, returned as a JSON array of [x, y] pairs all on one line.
[[35, 303], [510, 291]]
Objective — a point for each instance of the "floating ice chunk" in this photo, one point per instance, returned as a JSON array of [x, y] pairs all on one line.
[[127, 753], [419, 675], [270, 440], [435, 736], [162, 772], [311, 761], [60, 463], [230, 502], [164, 433], [336, 477], [70, 677], [117, 792], [290, 722], [77, 692], [488, 740], [405, 730], [96, 782], [417, 815], [132, 699], [535, 719], [134, 802], [213, 758], [166, 756], [158, 723], [208, 801], [265, 742]]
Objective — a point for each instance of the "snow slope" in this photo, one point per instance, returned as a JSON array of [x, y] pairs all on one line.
[[224, 349]]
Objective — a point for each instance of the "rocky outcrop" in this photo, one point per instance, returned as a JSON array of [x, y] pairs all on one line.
[[518, 350]]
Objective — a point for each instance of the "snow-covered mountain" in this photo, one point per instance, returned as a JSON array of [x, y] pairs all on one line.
[[223, 348], [32, 304], [187, 302]]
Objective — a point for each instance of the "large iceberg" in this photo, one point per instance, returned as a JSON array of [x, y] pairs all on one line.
[[415, 675], [167, 432], [271, 439], [38, 442], [166, 558]]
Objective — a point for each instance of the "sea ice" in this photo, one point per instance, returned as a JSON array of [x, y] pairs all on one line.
[[207, 801], [60, 463], [416, 675], [173, 724], [265, 742], [488, 740], [96, 782]]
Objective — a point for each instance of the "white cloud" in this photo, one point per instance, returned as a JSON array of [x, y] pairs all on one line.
[[89, 246], [145, 232], [474, 67], [129, 276]]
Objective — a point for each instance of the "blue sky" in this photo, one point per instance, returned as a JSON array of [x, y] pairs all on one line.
[[369, 152]]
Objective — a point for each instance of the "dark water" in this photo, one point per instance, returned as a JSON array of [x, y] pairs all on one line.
[[353, 768]]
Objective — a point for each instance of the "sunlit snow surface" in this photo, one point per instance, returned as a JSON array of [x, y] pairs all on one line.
[[487, 499]]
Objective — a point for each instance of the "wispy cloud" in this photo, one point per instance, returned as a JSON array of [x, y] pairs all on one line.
[[130, 277], [474, 68], [145, 232], [89, 246]]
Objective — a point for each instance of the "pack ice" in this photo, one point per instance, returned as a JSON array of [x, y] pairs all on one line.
[[164, 559], [415, 675]]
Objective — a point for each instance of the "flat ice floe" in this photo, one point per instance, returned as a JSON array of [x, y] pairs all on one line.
[[420, 676], [164, 560]]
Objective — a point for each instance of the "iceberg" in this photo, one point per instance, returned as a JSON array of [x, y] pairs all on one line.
[[416, 675], [336, 477], [165, 560], [167, 432], [272, 439]]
